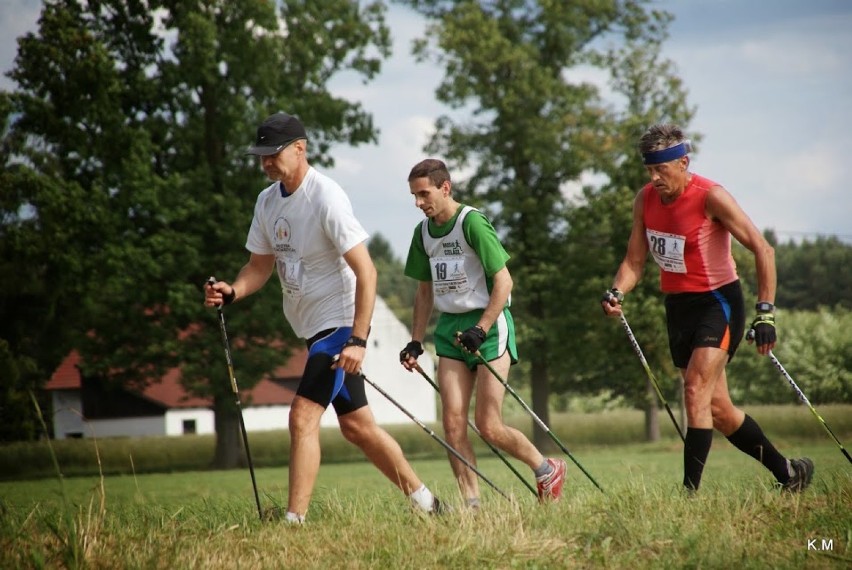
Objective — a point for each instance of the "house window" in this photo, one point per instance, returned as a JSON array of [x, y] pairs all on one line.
[[189, 427]]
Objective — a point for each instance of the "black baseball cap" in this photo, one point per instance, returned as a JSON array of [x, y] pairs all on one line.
[[276, 132]]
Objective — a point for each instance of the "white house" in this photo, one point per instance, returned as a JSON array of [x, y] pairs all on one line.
[[88, 409]]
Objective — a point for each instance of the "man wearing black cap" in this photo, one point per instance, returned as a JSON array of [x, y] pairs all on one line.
[[304, 228]]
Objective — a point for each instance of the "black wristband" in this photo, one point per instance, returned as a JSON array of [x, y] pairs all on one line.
[[355, 341], [230, 297]]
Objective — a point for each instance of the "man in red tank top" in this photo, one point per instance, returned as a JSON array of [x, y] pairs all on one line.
[[686, 222]]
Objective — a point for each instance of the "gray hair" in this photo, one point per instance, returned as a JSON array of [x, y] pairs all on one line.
[[661, 136]]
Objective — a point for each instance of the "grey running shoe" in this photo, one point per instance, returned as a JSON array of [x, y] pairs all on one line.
[[273, 514], [439, 507], [803, 472]]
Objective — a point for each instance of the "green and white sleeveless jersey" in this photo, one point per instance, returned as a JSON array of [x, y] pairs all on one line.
[[459, 257]]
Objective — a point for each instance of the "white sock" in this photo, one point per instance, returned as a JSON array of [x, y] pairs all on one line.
[[294, 518], [422, 498]]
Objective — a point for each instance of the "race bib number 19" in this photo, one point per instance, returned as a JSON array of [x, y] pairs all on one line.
[[448, 275], [667, 250]]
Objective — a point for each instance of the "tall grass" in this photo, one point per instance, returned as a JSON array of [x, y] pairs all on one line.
[[134, 509], [358, 520], [74, 531]]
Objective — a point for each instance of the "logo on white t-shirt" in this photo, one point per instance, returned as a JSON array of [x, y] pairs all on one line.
[[289, 264], [281, 231]]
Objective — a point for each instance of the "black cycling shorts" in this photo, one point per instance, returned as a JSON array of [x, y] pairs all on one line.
[[326, 385], [714, 318]]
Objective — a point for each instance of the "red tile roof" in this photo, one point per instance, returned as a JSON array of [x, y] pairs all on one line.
[[67, 375], [169, 392]]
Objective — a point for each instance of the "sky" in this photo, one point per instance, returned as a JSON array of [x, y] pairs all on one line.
[[771, 81]]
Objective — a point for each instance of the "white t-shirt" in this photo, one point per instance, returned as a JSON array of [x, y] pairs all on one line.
[[308, 231]]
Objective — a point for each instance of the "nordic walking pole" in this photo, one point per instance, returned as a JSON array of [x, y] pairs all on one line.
[[434, 436], [476, 430], [804, 399], [537, 419], [236, 392], [650, 374]]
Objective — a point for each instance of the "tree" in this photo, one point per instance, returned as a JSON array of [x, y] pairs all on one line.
[[535, 127], [814, 274], [599, 226], [394, 287], [17, 417], [125, 142]]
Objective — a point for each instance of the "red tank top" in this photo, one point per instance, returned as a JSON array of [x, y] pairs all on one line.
[[693, 252]]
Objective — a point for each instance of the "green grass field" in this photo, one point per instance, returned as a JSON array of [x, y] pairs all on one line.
[[359, 520]]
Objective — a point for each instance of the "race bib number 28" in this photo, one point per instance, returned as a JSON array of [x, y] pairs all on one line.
[[667, 250]]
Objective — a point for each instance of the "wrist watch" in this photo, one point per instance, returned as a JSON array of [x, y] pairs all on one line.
[[356, 341], [619, 296], [764, 307]]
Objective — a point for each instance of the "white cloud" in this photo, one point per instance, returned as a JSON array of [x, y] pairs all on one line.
[[814, 46], [347, 165], [376, 179], [774, 111], [782, 55], [816, 168]]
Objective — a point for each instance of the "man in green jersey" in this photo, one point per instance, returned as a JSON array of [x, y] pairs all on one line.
[[460, 266]]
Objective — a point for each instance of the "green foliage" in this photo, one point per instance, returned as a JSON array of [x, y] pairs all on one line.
[[577, 429], [16, 420], [816, 350], [394, 287], [535, 128], [814, 274], [125, 183], [599, 356], [811, 274]]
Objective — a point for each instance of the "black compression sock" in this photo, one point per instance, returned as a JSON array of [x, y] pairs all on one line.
[[695, 451], [750, 439]]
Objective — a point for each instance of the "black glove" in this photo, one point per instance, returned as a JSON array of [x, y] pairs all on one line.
[[762, 329], [472, 338], [412, 350]]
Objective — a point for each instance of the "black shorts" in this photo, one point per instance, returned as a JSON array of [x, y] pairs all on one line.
[[326, 385], [715, 318]]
